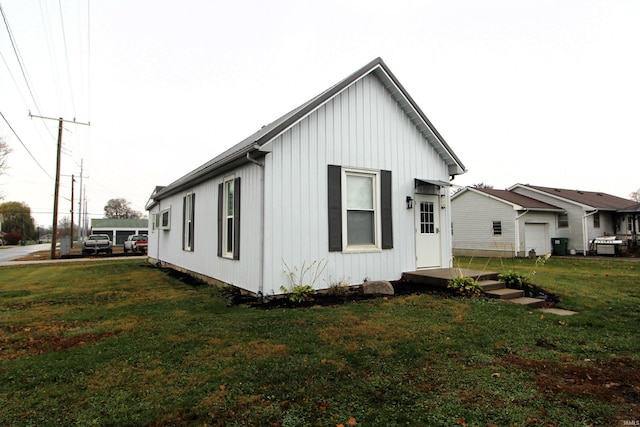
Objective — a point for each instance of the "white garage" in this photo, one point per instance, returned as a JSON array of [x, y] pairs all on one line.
[[536, 237]]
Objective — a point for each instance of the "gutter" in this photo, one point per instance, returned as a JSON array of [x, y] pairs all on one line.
[[262, 211], [585, 239], [517, 230]]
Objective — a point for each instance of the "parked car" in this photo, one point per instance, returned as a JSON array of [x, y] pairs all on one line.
[[136, 243], [97, 243]]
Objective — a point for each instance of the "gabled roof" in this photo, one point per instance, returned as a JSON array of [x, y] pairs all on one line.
[[518, 201], [242, 152], [588, 199]]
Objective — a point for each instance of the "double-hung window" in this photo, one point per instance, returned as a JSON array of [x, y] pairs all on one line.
[[361, 210], [188, 209], [563, 220], [359, 202], [229, 218]]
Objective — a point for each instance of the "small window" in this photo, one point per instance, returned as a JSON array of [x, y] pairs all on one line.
[[596, 220], [563, 220], [229, 215], [229, 218], [497, 228], [630, 224], [162, 220], [188, 208]]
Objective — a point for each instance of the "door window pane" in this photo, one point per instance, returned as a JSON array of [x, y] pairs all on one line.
[[427, 225]]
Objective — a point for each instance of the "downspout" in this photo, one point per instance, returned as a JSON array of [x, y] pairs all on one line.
[[517, 225], [585, 239], [157, 234], [262, 210]]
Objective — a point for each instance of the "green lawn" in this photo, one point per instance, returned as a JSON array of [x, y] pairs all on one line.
[[121, 343]]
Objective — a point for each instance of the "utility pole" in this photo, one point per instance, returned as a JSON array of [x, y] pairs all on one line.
[[54, 229], [72, 182]]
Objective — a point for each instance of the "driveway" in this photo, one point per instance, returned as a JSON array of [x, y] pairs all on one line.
[[7, 253]]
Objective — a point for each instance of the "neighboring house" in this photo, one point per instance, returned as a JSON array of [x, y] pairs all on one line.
[[588, 214], [501, 223], [526, 217], [119, 229], [356, 177]]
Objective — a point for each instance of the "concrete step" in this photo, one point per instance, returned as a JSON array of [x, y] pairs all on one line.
[[505, 293], [491, 285], [529, 302]]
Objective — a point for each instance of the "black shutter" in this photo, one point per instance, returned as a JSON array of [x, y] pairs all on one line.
[[236, 218], [220, 219], [385, 209], [184, 220], [192, 227], [334, 174]]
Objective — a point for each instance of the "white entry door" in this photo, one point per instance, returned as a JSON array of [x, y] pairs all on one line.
[[427, 221]]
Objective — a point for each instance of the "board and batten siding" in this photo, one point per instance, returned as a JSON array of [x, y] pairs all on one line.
[[362, 127], [166, 245], [472, 221]]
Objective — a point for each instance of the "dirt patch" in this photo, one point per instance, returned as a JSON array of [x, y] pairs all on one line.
[[39, 344], [615, 380]]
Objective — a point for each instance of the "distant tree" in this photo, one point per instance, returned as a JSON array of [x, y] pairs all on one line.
[[4, 153], [16, 218], [635, 196], [120, 209], [482, 185]]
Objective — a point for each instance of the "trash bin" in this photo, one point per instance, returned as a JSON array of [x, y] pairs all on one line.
[[559, 245]]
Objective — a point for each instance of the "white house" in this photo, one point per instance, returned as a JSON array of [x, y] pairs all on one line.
[[589, 214], [356, 177], [501, 223], [512, 222]]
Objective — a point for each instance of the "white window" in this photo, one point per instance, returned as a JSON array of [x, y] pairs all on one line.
[[361, 214], [188, 225], [228, 230], [163, 219], [563, 220]]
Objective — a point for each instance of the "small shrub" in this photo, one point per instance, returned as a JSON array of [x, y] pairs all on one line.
[[515, 280], [298, 291], [465, 286], [339, 288]]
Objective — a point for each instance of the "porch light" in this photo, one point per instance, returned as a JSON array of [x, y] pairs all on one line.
[[409, 202], [443, 201]]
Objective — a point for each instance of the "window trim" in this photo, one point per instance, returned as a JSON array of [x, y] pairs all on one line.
[[377, 226], [160, 216], [188, 222], [562, 223], [226, 217], [222, 223]]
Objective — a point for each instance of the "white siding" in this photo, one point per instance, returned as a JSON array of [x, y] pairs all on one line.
[[166, 245], [363, 127], [472, 221]]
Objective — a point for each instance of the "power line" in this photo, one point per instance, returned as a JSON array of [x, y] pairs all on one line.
[[25, 147], [18, 57], [66, 54]]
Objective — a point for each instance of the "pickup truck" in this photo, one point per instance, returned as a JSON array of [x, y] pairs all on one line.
[[97, 243], [136, 243]]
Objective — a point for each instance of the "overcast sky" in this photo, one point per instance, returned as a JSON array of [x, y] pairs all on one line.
[[539, 92]]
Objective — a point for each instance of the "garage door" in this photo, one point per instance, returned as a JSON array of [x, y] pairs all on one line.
[[536, 237]]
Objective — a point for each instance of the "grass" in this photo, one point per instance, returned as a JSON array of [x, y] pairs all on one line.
[[120, 343]]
